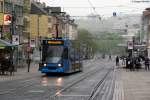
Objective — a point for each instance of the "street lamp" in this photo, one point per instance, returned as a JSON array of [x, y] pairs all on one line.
[[39, 36], [28, 51]]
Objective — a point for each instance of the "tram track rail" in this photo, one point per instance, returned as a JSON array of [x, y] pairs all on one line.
[[78, 80], [99, 84], [47, 96], [12, 91]]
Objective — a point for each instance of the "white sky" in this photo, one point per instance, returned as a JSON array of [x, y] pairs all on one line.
[[105, 7]]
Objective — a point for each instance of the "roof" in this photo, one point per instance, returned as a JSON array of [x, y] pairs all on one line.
[[36, 9], [54, 10]]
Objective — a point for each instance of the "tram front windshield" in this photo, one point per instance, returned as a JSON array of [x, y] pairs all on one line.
[[52, 54]]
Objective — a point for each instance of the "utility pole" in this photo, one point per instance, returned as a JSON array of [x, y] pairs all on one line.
[[28, 50], [57, 22], [12, 25], [38, 23], [39, 38], [56, 28]]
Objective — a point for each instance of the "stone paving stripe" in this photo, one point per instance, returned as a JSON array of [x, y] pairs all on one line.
[[36, 91], [109, 89], [119, 92]]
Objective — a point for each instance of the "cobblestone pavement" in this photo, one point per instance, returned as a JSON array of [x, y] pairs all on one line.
[[35, 86], [132, 85]]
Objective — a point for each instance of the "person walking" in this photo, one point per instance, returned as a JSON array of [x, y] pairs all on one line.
[[109, 56], [28, 63], [147, 63], [123, 60], [117, 61]]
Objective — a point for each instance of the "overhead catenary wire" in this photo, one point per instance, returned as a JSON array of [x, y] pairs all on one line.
[[94, 9], [92, 6], [99, 7]]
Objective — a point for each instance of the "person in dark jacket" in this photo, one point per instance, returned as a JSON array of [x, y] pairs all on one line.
[[147, 63], [117, 61]]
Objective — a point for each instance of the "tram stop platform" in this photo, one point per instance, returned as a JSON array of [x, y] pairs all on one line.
[[132, 85]]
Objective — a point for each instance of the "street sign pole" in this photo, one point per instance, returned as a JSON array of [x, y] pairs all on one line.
[[28, 51]]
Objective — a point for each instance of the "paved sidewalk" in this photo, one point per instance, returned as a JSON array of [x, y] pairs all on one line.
[[132, 85], [21, 73]]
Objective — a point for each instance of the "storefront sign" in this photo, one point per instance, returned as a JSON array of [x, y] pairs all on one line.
[[7, 19], [15, 39]]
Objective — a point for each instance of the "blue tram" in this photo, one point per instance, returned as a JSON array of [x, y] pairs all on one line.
[[59, 56]]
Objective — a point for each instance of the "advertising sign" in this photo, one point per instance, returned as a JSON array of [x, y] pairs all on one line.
[[130, 45], [15, 39], [7, 19], [140, 1], [32, 43]]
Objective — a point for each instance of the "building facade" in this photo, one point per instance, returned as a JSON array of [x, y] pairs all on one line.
[[146, 28], [26, 28], [11, 23]]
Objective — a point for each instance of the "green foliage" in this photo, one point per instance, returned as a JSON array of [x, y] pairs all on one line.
[[7, 36], [104, 43], [107, 43], [26, 8], [85, 39]]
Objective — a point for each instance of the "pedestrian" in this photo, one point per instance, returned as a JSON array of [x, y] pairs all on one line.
[[127, 62], [103, 56], [123, 60], [147, 63], [28, 63], [131, 65], [109, 56], [117, 61]]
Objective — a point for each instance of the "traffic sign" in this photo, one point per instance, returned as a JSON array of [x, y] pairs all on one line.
[[15, 39], [114, 14], [32, 43], [7, 19], [140, 1], [130, 45]]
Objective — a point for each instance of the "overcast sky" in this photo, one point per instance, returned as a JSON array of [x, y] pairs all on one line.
[[104, 8]]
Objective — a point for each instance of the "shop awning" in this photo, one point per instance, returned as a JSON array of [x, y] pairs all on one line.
[[5, 43]]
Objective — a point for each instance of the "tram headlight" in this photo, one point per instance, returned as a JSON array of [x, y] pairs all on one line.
[[45, 65], [59, 65]]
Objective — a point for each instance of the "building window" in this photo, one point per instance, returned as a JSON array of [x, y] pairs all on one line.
[[49, 30], [49, 20], [1, 6], [18, 30], [26, 25], [8, 7], [19, 10]]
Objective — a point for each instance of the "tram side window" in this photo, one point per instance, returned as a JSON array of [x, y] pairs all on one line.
[[74, 55], [44, 53], [77, 57], [71, 54], [65, 55]]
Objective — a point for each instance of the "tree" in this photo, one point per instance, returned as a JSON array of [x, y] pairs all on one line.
[[86, 42], [107, 43], [103, 43]]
